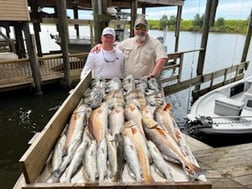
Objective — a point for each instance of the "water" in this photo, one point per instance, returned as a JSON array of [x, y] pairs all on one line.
[[23, 114]]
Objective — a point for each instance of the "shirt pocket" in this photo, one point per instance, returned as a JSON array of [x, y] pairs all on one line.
[[148, 56]]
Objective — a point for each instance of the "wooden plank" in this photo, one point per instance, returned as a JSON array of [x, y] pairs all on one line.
[[225, 183], [20, 182], [156, 185], [180, 86], [33, 161], [19, 7], [228, 167], [195, 145], [164, 2]]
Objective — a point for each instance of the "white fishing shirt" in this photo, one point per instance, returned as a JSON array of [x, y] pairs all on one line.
[[105, 64]]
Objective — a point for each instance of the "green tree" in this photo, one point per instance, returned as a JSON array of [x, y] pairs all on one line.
[[220, 22], [163, 22], [198, 21], [172, 21]]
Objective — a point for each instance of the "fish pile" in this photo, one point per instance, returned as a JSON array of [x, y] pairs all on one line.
[[121, 131]]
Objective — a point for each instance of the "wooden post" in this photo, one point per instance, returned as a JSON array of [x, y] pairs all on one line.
[[134, 6], [64, 37], [36, 24], [204, 38], [248, 38], [97, 26], [20, 49], [179, 12], [76, 26], [33, 59]]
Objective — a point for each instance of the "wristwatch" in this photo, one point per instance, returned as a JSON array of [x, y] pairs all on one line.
[[151, 76]]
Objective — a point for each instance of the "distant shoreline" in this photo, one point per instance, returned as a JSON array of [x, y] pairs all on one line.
[[221, 25]]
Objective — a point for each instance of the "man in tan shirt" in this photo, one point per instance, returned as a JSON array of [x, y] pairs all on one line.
[[144, 55]]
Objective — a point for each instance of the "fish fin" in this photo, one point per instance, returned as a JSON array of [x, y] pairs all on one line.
[[167, 107], [134, 130]]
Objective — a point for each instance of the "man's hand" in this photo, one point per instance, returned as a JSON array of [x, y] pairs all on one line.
[[96, 48]]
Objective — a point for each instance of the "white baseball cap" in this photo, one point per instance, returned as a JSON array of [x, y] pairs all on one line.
[[108, 31]]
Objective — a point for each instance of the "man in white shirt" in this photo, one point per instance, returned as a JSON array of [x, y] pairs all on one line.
[[144, 55], [108, 62]]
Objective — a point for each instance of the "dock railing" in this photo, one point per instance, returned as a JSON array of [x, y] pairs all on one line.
[[172, 82], [17, 72]]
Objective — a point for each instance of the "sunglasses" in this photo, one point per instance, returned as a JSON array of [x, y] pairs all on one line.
[[140, 27]]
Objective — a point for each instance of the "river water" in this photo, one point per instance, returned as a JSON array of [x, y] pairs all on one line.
[[22, 114]]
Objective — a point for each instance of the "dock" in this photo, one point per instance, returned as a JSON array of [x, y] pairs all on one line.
[[17, 73], [227, 167]]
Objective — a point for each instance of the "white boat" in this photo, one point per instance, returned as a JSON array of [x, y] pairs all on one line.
[[222, 113]]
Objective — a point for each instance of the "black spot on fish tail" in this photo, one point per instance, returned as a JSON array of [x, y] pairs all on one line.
[[194, 172]]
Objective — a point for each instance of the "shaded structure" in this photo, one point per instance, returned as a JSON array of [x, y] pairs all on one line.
[[101, 19], [20, 22]]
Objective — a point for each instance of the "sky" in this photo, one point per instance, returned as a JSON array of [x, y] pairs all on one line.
[[227, 9]]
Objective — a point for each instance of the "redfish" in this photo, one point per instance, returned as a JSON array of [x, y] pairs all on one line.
[[98, 122], [168, 147], [164, 119], [132, 131]]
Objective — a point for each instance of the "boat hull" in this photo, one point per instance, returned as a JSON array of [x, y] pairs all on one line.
[[223, 115], [219, 138]]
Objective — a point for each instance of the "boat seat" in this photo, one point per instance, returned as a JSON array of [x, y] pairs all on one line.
[[227, 107]]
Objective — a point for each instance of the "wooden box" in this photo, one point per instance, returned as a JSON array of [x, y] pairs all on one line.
[[34, 159]]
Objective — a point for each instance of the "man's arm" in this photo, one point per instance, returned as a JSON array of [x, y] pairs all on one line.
[[89, 65], [158, 66]]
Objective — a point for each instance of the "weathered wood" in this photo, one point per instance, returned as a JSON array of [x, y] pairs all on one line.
[[204, 38], [64, 36], [228, 167], [168, 90], [33, 161], [164, 2], [178, 85], [248, 38], [156, 185], [15, 10], [33, 59]]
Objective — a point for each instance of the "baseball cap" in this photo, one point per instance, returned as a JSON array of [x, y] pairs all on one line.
[[108, 31], [141, 20]]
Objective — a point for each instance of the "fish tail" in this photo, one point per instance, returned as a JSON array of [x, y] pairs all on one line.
[[148, 178], [53, 178], [194, 172]]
